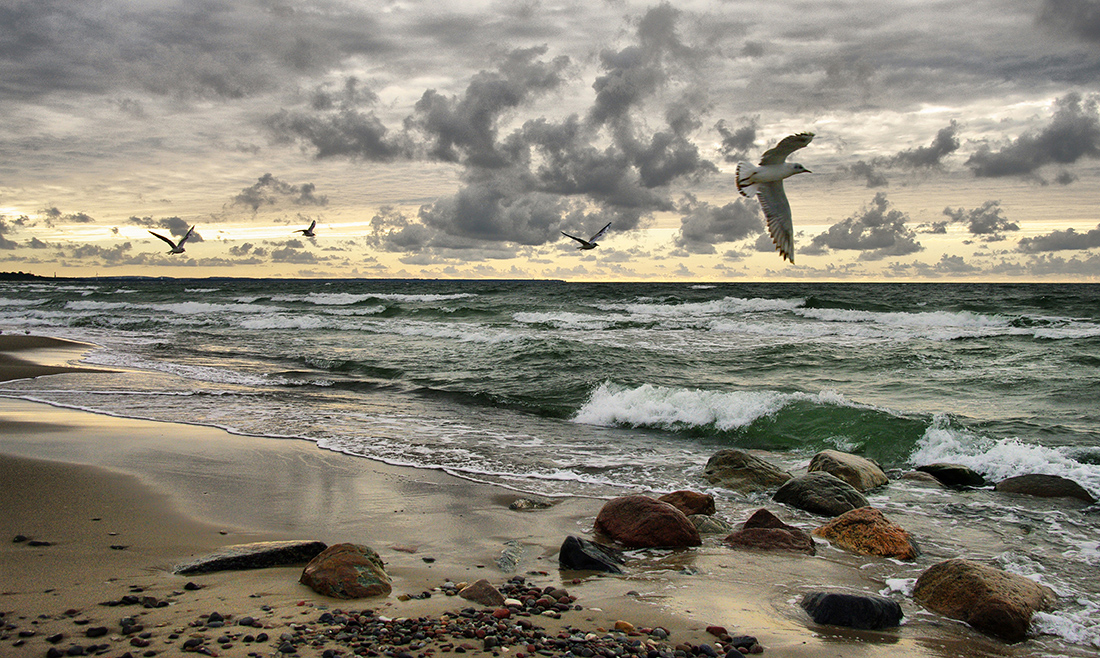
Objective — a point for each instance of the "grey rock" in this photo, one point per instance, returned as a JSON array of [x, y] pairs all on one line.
[[740, 471], [860, 472], [710, 525], [954, 475], [820, 493], [583, 555], [1046, 486]]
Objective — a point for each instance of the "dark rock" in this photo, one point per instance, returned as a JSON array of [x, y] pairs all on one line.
[[820, 493], [584, 555], [690, 502], [852, 610], [954, 475], [764, 531], [95, 631], [347, 571], [993, 601], [860, 472], [643, 522], [1046, 486], [740, 471], [868, 532], [254, 556]]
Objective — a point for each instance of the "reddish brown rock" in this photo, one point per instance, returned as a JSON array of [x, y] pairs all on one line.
[[765, 531], [991, 600], [868, 532], [347, 571], [482, 592], [690, 502], [643, 522]]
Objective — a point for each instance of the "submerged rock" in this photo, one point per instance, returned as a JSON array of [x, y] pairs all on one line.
[[820, 493], [993, 601], [860, 472], [581, 554], [347, 571], [868, 532], [764, 531], [740, 471], [954, 475], [643, 522], [852, 610], [1046, 486], [257, 555]]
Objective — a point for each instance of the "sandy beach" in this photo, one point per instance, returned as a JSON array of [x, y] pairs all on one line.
[[114, 504]]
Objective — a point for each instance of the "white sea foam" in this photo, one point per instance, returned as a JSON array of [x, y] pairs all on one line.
[[20, 302], [725, 306], [665, 407], [285, 321], [998, 459], [344, 299], [1081, 626], [466, 332], [566, 320]]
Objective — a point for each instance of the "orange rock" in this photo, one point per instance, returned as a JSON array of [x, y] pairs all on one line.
[[868, 532]]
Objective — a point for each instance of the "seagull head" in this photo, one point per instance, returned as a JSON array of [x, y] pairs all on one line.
[[799, 169]]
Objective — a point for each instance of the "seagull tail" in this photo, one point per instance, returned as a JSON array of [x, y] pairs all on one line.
[[744, 173]]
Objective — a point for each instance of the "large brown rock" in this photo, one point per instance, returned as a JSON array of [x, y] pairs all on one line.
[[860, 472], [690, 502], [868, 532], [644, 522], [1046, 486], [993, 601], [347, 571], [483, 592], [765, 531], [740, 471]]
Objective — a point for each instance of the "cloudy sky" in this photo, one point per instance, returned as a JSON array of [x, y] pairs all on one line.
[[459, 138]]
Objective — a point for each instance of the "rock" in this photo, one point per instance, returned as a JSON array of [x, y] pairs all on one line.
[[643, 522], [820, 493], [740, 471], [254, 556], [921, 478], [861, 473], [764, 531], [954, 475], [709, 525], [690, 502], [993, 601], [510, 557], [347, 571], [1046, 486], [868, 532], [584, 555], [523, 504], [852, 610], [484, 593]]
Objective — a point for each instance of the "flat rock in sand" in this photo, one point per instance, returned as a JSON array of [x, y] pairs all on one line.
[[258, 555]]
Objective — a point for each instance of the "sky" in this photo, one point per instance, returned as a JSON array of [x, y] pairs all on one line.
[[954, 141]]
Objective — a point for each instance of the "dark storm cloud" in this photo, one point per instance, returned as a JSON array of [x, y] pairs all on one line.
[[986, 220], [737, 143], [270, 191], [214, 48], [1080, 18], [703, 225], [345, 133], [1073, 133], [1060, 241], [877, 232], [932, 156], [175, 225]]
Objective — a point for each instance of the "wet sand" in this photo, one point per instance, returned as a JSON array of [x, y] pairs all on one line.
[[122, 501]]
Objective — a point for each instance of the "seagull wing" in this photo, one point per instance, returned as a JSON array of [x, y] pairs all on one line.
[[186, 235], [168, 240], [312, 224], [778, 154], [599, 234], [778, 213], [580, 240]]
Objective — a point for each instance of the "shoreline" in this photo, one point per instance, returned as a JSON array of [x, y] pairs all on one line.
[[173, 492]]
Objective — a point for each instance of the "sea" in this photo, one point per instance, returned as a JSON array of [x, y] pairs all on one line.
[[558, 389]]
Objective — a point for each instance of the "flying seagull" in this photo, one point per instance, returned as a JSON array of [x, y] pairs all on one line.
[[308, 232], [766, 183], [177, 247], [590, 243]]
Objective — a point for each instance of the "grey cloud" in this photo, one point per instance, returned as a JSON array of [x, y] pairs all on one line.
[[987, 220], [1073, 133], [945, 143], [869, 172], [1080, 18], [1061, 240], [738, 142], [270, 191], [877, 232], [348, 133], [703, 225]]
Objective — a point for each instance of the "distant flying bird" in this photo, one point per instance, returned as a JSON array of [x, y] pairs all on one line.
[[177, 247], [765, 182], [308, 232], [590, 243]]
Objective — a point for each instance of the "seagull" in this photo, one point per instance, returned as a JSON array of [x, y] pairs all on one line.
[[308, 232], [177, 247], [590, 243], [766, 183]]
